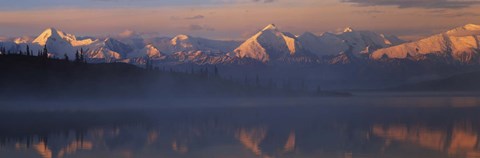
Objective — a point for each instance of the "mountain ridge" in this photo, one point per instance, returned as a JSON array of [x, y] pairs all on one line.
[[269, 45], [460, 43]]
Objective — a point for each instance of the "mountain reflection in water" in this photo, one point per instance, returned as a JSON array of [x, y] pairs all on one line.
[[284, 131]]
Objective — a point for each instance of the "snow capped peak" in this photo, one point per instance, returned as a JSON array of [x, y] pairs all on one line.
[[24, 39], [348, 29], [117, 46], [270, 44], [58, 42], [270, 27], [460, 43], [52, 29], [325, 44], [181, 37], [150, 46], [471, 27], [149, 51], [54, 35], [49, 33], [182, 41]]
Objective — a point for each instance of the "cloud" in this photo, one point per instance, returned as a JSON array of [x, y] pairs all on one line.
[[196, 27], [369, 12], [463, 14], [427, 4], [196, 17], [454, 13]]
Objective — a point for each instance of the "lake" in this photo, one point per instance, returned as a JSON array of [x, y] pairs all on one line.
[[367, 125]]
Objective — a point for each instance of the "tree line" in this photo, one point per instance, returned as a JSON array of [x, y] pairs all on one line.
[[210, 72], [43, 54]]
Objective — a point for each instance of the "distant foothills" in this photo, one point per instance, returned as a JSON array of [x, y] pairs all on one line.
[[350, 59]]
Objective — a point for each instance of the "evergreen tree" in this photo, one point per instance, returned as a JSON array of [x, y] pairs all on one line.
[[66, 58], [82, 56], [28, 50], [77, 57], [2, 50], [45, 52]]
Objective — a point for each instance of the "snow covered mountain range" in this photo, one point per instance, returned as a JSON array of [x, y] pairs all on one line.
[[460, 44], [270, 45]]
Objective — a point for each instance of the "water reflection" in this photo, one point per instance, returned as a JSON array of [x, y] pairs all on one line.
[[292, 131], [252, 138], [461, 139]]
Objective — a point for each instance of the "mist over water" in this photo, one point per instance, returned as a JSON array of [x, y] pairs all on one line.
[[364, 125]]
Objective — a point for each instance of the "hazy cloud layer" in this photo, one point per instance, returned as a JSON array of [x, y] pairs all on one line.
[[195, 17], [429, 4], [196, 27]]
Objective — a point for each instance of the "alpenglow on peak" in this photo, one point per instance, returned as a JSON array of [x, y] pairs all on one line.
[[472, 27], [348, 29], [270, 27], [47, 33]]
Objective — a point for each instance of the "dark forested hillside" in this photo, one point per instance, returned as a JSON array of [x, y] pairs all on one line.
[[23, 75], [44, 78]]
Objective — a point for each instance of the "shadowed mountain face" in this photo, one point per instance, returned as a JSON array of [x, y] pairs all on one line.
[[322, 128]]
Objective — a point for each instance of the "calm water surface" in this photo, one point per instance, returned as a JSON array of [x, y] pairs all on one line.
[[365, 126]]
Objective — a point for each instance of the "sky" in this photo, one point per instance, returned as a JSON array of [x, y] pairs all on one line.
[[234, 19]]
